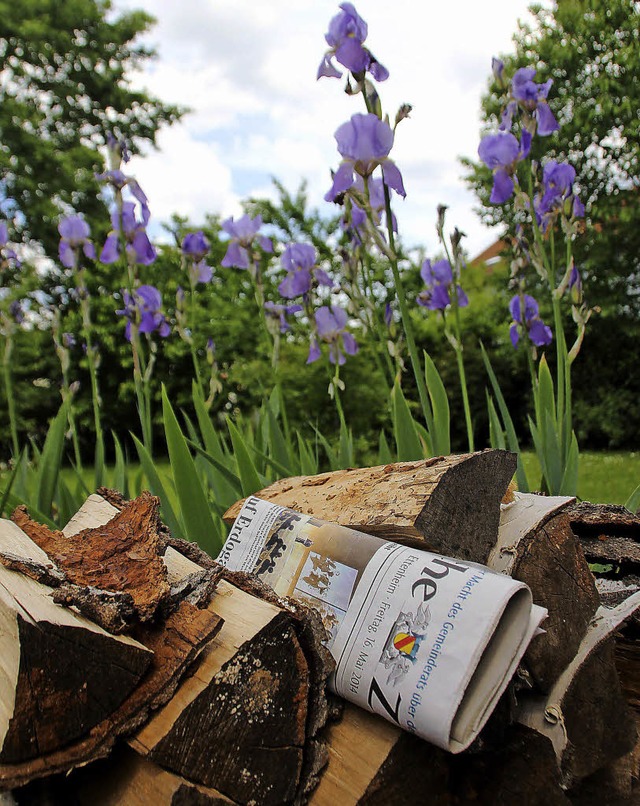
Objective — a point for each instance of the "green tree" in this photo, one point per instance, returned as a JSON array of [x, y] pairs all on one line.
[[66, 67], [591, 50]]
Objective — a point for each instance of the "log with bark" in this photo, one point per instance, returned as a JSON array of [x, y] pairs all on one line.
[[448, 503], [568, 667], [247, 723], [246, 719]]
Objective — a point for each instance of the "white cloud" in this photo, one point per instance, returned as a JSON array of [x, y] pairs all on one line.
[[248, 72]]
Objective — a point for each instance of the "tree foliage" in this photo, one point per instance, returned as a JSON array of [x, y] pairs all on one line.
[[591, 50], [66, 81]]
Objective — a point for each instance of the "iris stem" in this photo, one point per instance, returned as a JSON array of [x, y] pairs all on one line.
[[8, 388], [192, 347], [458, 349], [402, 304], [92, 364], [406, 320]]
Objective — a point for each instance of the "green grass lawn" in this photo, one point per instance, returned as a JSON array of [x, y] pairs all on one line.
[[605, 477]]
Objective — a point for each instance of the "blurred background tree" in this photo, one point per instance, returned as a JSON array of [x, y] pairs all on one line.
[[66, 82]]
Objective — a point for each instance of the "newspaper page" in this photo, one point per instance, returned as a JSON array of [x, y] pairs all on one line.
[[428, 642]]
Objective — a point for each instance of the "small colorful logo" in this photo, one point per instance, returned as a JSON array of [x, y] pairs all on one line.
[[407, 643], [403, 643]]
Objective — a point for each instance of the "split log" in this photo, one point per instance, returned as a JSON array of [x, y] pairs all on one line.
[[536, 545], [449, 504], [585, 714], [246, 722], [69, 688], [61, 674]]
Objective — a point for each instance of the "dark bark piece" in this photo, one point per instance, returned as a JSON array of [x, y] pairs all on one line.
[[585, 714], [47, 573], [449, 504], [522, 770], [124, 779], [550, 561], [247, 721], [592, 520], [60, 675], [114, 612], [612, 550], [122, 556]]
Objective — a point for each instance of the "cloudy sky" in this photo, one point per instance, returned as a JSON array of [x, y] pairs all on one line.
[[247, 69]]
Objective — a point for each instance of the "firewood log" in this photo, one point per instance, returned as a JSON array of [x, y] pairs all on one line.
[[449, 504], [61, 674], [535, 544], [246, 722], [69, 688], [585, 714]]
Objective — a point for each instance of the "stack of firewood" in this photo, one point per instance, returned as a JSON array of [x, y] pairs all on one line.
[[134, 670]]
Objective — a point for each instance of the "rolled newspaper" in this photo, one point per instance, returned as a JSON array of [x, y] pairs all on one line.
[[428, 642]]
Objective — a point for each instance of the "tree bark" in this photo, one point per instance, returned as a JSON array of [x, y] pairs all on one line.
[[448, 504], [69, 688]]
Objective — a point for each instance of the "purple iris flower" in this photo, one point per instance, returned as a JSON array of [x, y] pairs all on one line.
[[533, 98], [118, 149], [243, 232], [345, 37], [528, 320], [438, 279], [144, 306], [74, 235], [7, 254], [138, 246], [497, 68], [117, 179], [330, 327], [68, 340], [501, 152], [195, 247], [16, 311], [575, 285], [299, 259], [364, 143], [557, 188], [280, 313]]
